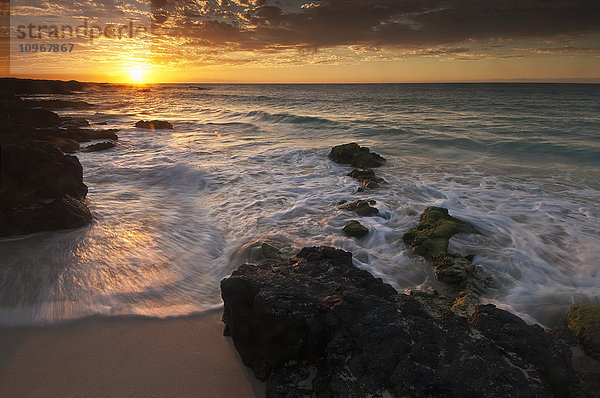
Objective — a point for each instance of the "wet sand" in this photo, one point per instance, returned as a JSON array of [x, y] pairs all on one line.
[[124, 357]]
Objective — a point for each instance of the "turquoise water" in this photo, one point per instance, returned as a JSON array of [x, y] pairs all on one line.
[[176, 211]]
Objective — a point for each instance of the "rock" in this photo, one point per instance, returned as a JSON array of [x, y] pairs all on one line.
[[429, 238], [101, 146], [318, 326], [356, 156], [15, 112], [154, 125], [41, 189], [362, 208], [74, 122], [31, 86], [584, 322], [341, 202], [66, 145], [549, 356], [367, 177], [454, 269], [355, 229], [100, 134], [270, 251], [101, 123], [465, 304]]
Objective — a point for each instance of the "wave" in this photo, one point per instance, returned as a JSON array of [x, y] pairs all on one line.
[[289, 118]]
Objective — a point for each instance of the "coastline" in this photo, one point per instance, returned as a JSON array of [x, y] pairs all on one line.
[[124, 356]]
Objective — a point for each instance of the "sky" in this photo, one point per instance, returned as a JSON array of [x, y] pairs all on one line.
[[328, 41]]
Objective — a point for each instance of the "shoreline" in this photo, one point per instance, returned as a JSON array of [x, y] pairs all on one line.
[[124, 356]]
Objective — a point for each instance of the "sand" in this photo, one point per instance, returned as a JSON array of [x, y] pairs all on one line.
[[124, 357]]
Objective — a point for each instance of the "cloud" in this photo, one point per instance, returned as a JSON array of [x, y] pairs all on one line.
[[408, 24]]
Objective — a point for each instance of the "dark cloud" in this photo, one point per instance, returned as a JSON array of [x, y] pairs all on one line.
[[258, 24]]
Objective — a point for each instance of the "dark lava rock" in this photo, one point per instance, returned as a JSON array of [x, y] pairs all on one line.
[[355, 229], [66, 145], [74, 122], [40, 189], [101, 146], [367, 177], [154, 125], [100, 134], [318, 326], [31, 86], [356, 156], [14, 111], [362, 208], [429, 238]]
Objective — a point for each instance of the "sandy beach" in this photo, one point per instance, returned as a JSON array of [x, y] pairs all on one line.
[[125, 357]]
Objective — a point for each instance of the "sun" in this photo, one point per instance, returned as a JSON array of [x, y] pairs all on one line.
[[136, 74]]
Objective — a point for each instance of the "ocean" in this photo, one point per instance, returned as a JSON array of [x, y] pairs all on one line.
[[175, 211]]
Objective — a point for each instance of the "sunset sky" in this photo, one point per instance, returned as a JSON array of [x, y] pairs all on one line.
[[316, 41]]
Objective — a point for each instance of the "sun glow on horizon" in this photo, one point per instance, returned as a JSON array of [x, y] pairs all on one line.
[[137, 74]]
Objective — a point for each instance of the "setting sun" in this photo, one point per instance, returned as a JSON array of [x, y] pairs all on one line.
[[136, 74]]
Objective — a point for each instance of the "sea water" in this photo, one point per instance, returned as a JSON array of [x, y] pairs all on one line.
[[175, 211]]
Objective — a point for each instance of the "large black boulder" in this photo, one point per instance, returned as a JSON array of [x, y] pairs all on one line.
[[318, 326], [40, 189]]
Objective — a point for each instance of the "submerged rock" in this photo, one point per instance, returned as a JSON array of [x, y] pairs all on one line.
[[355, 229], [454, 269], [154, 125], [318, 326], [101, 146], [270, 251], [361, 207], [430, 237], [356, 156]]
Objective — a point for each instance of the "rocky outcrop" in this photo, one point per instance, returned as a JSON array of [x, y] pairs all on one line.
[[354, 229], [31, 86], [318, 326], [101, 146], [430, 239], [41, 189], [356, 156], [361, 207], [154, 125]]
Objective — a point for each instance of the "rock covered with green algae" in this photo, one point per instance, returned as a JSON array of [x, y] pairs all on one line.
[[355, 229], [269, 251], [584, 322], [430, 237]]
